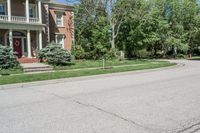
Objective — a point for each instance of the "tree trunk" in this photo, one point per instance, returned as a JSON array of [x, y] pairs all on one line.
[[113, 37], [155, 50]]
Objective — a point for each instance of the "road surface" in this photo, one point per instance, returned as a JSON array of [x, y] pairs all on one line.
[[161, 101]]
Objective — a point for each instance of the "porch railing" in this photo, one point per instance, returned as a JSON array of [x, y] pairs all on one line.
[[34, 20], [18, 19], [3, 18]]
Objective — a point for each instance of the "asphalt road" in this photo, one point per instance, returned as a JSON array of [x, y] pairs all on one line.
[[161, 101]]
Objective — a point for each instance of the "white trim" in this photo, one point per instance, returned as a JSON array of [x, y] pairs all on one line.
[[37, 40], [9, 9], [39, 11], [29, 43], [60, 34], [22, 41], [63, 39], [40, 39], [27, 10], [62, 19], [36, 11], [10, 36]]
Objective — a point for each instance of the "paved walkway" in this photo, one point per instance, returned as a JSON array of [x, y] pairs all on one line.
[[28, 65], [162, 101], [36, 67]]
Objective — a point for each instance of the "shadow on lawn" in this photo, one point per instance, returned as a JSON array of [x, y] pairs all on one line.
[[195, 59]]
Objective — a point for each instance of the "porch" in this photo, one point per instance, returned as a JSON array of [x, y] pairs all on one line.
[[21, 11], [25, 43], [27, 60]]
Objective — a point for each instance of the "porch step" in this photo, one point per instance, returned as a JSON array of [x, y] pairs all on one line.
[[36, 67], [28, 60]]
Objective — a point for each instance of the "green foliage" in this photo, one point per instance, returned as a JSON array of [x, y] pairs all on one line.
[[143, 53], [112, 54], [160, 26], [92, 29], [7, 58], [153, 27], [67, 74], [78, 52], [54, 54]]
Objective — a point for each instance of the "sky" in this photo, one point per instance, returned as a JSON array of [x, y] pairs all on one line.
[[61, 1], [65, 1]]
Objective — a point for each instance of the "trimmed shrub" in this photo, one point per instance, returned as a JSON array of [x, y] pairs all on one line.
[[143, 53], [112, 54], [54, 54], [78, 52], [7, 58]]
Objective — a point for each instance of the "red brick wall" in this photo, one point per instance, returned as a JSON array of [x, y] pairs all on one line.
[[66, 29]]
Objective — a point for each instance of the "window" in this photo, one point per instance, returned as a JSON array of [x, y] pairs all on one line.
[[60, 40], [32, 11], [59, 19], [2, 9]]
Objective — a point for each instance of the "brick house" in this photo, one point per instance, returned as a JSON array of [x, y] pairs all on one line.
[[29, 25]]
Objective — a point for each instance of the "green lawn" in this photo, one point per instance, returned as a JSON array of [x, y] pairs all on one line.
[[137, 65], [11, 71], [99, 63], [195, 58]]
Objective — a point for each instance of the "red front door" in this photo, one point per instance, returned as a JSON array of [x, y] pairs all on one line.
[[17, 45]]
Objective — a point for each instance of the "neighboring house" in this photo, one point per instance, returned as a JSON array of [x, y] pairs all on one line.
[[29, 25]]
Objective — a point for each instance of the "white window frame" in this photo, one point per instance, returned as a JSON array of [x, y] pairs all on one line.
[[61, 19], [34, 8], [63, 39], [5, 7]]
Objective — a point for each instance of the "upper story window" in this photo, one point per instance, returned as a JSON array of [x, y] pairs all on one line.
[[2, 9], [32, 11], [59, 19]]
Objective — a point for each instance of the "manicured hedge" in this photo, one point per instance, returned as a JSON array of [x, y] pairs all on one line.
[[7, 58], [54, 54]]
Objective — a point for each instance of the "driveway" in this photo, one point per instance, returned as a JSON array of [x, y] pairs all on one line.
[[159, 101]]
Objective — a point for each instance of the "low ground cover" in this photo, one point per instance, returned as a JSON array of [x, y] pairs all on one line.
[[78, 64], [195, 58], [133, 66]]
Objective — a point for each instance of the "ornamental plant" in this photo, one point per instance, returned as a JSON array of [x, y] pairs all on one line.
[[78, 52], [54, 54], [7, 58]]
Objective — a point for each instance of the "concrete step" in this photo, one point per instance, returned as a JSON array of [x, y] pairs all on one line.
[[36, 67]]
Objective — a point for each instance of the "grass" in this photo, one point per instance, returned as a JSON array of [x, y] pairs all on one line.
[[195, 58], [11, 71], [141, 65], [99, 63]]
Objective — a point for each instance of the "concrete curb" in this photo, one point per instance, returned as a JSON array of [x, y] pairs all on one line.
[[55, 81]]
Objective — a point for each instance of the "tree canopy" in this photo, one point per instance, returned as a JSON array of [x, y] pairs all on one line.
[[137, 27]]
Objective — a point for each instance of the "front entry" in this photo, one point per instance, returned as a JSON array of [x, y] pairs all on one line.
[[17, 46]]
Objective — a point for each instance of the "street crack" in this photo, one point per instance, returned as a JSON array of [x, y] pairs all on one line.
[[190, 128], [120, 117]]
